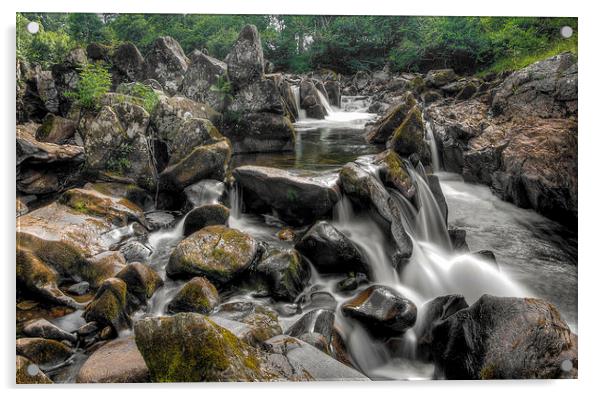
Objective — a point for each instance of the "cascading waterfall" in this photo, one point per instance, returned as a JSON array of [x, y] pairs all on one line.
[[301, 112], [430, 137], [324, 102]]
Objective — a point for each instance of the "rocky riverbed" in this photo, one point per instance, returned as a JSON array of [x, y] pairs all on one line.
[[301, 227]]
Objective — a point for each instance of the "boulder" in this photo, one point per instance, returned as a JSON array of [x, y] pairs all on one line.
[[99, 52], [171, 112], [135, 251], [250, 322], [115, 142], [245, 60], [205, 215], [189, 347], [317, 321], [28, 373], [296, 200], [382, 310], [310, 100], [285, 272], [333, 91], [31, 151], [260, 96], [394, 173], [440, 77], [545, 89], [330, 251], [203, 162], [191, 133], [391, 120], [215, 252], [457, 237], [118, 361], [352, 283], [166, 63], [128, 62], [505, 338], [42, 328], [55, 129], [259, 132], [108, 308], [408, 137], [305, 362], [43, 352], [467, 91], [204, 73], [197, 295], [79, 289], [141, 281]]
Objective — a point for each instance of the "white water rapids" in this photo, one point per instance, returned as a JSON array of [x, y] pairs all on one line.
[[432, 270]]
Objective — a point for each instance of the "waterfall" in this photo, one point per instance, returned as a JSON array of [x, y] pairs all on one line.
[[207, 191], [301, 112], [430, 135], [324, 102]]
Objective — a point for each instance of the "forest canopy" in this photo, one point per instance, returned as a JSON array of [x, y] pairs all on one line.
[[292, 43]]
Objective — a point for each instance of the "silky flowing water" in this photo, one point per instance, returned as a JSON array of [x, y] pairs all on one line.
[[536, 257]]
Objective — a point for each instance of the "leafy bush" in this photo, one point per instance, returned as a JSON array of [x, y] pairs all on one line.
[[44, 48], [94, 82], [148, 95]]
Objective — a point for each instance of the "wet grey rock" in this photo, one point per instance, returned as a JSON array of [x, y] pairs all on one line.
[[285, 273], [80, 288], [352, 283], [205, 215], [457, 238], [160, 220], [320, 321], [382, 310], [197, 295], [330, 251], [42, 328], [384, 127], [295, 199], [505, 338], [310, 100], [333, 90], [259, 132], [135, 251]]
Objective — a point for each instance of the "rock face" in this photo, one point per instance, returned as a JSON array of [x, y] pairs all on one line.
[[388, 123], [197, 296], [128, 62], [215, 252], [43, 352], [167, 64], [189, 347], [119, 361], [285, 273], [203, 73], [505, 338], [245, 60], [330, 251], [382, 310], [546, 89], [310, 100], [527, 156], [295, 199]]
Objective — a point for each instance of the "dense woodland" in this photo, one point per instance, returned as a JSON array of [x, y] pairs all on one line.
[[345, 44]]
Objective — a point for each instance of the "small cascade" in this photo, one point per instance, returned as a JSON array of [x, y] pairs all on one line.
[[207, 191], [430, 137], [324, 102], [301, 112]]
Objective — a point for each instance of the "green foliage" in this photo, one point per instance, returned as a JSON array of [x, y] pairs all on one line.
[[119, 161], [148, 95], [223, 88], [300, 43], [94, 82]]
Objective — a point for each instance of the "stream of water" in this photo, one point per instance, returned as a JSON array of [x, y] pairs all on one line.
[[536, 256]]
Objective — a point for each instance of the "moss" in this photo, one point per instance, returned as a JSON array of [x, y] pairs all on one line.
[[409, 136], [487, 372]]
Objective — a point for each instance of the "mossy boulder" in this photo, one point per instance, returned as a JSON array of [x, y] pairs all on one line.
[[394, 173], [118, 361], [141, 280], [129, 191], [189, 347], [56, 129], [117, 211], [43, 352], [205, 215], [381, 310], [467, 91], [215, 252], [192, 132], [109, 306], [27, 373], [197, 296], [408, 138], [203, 73], [440, 77], [166, 63], [388, 123], [285, 273], [203, 162]]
